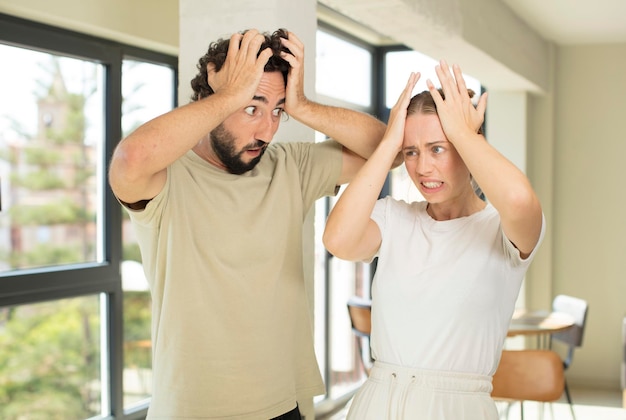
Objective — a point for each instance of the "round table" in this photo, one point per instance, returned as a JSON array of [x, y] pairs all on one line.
[[540, 324]]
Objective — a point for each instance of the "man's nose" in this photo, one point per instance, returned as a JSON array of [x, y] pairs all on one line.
[[267, 128]]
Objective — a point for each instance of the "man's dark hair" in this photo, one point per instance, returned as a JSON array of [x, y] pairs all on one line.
[[217, 55]]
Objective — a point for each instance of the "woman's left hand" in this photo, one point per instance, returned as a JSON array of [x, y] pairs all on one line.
[[456, 112]]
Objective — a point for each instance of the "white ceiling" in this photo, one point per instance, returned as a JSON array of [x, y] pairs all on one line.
[[518, 61], [564, 22], [569, 22]]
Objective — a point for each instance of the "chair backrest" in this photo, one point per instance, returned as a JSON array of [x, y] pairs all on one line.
[[577, 308], [529, 375], [360, 310]]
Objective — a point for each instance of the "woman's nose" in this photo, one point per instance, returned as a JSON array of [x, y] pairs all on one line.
[[424, 164]]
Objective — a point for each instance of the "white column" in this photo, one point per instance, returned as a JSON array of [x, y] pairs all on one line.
[[506, 125]]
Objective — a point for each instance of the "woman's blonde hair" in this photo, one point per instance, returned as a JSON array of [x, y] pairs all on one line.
[[423, 103]]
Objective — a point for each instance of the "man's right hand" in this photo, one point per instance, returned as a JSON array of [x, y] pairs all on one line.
[[243, 68]]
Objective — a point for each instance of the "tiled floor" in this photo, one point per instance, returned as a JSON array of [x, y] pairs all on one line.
[[589, 404]]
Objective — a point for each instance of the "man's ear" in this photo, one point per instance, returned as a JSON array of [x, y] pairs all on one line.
[[210, 70]]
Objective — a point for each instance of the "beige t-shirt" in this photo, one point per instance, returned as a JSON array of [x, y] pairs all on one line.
[[232, 336]]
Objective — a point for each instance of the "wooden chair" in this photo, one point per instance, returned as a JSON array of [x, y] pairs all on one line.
[[529, 375], [360, 311]]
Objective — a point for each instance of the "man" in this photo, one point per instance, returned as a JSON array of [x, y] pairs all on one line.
[[218, 213]]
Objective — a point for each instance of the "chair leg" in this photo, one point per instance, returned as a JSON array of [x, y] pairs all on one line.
[[521, 410], [505, 413], [569, 400], [567, 395], [508, 408], [501, 409]]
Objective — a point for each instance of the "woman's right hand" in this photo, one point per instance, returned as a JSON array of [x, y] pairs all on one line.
[[397, 116]]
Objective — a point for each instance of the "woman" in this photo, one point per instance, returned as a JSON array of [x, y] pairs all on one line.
[[449, 268]]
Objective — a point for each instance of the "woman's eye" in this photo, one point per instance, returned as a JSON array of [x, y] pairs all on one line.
[[438, 149], [410, 153], [250, 110]]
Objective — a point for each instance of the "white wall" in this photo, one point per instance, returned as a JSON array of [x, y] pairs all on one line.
[[590, 200], [506, 125]]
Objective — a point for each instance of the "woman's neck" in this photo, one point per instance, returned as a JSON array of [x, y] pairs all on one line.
[[461, 207]]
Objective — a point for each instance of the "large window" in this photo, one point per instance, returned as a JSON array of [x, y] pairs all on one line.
[[74, 307], [344, 77]]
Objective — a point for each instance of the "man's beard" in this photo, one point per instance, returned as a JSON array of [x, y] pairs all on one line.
[[223, 143]]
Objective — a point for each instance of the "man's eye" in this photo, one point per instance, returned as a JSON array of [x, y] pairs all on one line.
[[250, 110], [277, 112]]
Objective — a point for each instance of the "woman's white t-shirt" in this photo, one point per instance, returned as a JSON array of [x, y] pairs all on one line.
[[444, 291]]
